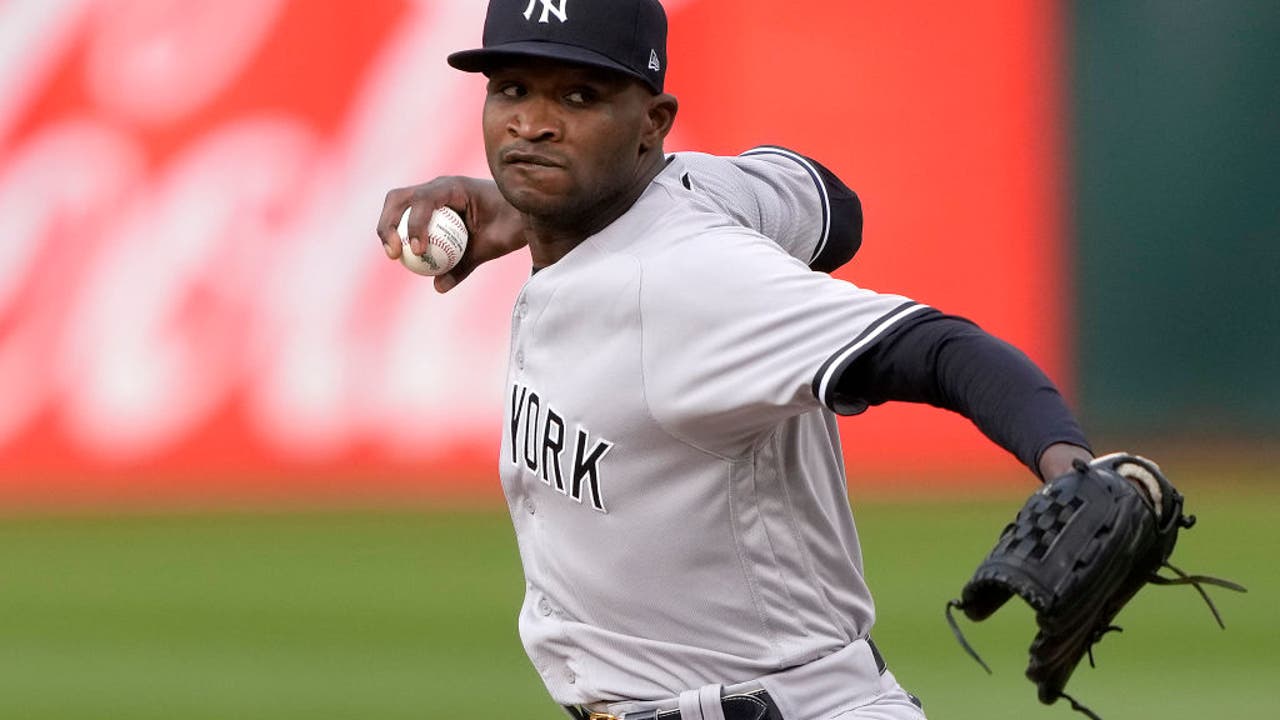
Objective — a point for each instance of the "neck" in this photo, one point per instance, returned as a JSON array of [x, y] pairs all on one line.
[[553, 237]]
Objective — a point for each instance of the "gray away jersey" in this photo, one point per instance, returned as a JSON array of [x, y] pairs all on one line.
[[773, 191], [674, 478]]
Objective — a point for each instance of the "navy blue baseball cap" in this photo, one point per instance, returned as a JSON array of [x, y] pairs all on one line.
[[629, 36]]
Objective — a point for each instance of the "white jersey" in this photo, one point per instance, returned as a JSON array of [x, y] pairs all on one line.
[[670, 457], [771, 190]]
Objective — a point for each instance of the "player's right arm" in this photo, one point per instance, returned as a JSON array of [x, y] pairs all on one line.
[[494, 227], [790, 199]]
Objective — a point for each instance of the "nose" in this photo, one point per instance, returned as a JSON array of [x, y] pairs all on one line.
[[536, 120]]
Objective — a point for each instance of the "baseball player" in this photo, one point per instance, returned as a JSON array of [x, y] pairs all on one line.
[[670, 455]]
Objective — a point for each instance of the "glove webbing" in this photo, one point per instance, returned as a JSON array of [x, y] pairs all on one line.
[[1183, 578]]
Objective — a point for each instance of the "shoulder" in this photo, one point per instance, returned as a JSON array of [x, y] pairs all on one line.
[[722, 260], [667, 217], [677, 234]]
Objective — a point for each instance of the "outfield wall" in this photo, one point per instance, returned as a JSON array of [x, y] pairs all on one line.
[[1176, 181], [193, 301]]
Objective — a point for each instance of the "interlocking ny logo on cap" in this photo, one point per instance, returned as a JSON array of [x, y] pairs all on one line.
[[549, 7], [626, 36]]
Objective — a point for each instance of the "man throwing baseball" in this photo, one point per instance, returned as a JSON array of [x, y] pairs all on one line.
[[670, 454]]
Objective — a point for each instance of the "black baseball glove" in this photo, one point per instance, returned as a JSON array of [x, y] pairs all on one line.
[[1078, 551]]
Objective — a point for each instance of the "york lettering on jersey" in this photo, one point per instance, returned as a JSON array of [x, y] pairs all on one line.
[[538, 442]]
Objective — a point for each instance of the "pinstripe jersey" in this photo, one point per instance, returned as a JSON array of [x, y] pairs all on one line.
[[670, 455]]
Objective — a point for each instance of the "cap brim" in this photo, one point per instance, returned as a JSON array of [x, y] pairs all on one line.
[[485, 59]]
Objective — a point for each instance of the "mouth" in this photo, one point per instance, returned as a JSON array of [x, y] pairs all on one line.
[[526, 158]]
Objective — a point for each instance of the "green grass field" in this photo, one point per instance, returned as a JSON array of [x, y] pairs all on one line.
[[383, 615]]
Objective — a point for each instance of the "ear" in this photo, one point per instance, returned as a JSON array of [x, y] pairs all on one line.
[[660, 116]]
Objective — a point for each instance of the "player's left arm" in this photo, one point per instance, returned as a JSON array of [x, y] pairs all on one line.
[[1082, 546], [951, 363]]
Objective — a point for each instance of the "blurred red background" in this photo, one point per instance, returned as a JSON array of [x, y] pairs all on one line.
[[193, 303]]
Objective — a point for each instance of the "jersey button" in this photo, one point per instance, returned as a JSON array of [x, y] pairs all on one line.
[[544, 607], [530, 506], [520, 359], [570, 678]]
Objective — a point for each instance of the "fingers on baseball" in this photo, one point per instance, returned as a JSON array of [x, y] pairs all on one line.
[[419, 222], [393, 207], [419, 212]]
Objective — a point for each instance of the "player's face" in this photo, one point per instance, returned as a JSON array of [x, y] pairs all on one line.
[[564, 142]]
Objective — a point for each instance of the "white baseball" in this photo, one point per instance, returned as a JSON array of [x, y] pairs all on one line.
[[446, 241]]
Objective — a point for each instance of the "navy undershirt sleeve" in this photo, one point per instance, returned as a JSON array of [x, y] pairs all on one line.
[[949, 362], [845, 235]]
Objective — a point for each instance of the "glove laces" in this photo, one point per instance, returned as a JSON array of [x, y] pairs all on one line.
[[1183, 578], [1198, 582]]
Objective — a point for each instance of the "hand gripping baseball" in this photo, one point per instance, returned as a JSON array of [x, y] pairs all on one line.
[[1077, 552], [495, 228]]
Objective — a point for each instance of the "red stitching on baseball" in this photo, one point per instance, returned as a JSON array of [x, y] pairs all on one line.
[[451, 253], [445, 243]]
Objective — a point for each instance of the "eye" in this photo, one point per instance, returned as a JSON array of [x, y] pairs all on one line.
[[581, 96], [507, 88]]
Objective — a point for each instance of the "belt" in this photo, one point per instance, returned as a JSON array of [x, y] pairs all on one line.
[[754, 705]]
